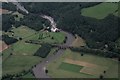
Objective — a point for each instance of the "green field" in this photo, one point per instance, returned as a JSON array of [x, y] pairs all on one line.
[[22, 53], [58, 36], [22, 48], [47, 37], [16, 64], [29, 34], [22, 31], [55, 72], [100, 11], [6, 53], [70, 67]]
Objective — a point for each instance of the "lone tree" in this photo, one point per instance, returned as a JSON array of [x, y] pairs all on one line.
[[65, 37], [40, 35], [64, 41], [20, 38], [104, 72], [52, 37], [101, 76], [16, 15], [82, 54], [11, 53], [46, 71]]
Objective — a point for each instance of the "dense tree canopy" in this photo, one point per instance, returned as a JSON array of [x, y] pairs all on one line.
[[34, 21], [97, 33], [43, 51], [7, 21], [9, 6], [8, 40]]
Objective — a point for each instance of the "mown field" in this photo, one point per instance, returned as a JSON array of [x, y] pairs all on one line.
[[22, 53], [92, 66], [49, 37], [22, 31], [16, 64], [19, 56], [70, 67], [100, 11]]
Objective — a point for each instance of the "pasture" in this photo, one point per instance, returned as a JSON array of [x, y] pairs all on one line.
[[88, 66], [22, 31], [16, 64], [19, 56], [100, 11], [70, 67], [22, 48], [48, 37], [22, 53], [29, 34]]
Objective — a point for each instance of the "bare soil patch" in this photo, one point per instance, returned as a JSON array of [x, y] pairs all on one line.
[[3, 46], [4, 11]]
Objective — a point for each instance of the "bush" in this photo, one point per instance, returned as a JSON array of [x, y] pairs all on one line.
[[20, 38]]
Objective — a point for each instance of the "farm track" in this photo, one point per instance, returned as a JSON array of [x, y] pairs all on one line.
[[39, 71]]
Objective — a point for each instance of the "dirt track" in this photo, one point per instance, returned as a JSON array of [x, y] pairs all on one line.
[[3, 46], [39, 69]]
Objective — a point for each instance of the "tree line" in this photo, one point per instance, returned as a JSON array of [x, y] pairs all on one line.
[[43, 51], [9, 40], [103, 53]]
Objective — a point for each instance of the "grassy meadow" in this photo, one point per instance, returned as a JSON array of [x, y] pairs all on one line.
[[100, 11], [22, 53], [92, 66]]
